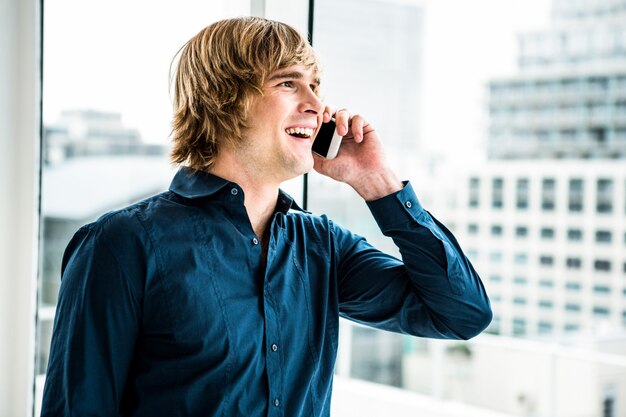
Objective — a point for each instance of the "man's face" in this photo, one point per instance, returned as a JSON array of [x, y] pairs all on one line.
[[282, 124]]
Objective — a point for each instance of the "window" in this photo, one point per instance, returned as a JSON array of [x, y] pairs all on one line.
[[548, 194], [521, 258], [495, 257], [496, 230], [521, 231], [601, 311], [601, 289], [519, 326], [472, 229], [546, 260], [576, 195], [495, 278], [602, 265], [603, 236], [519, 300], [546, 283], [574, 235], [604, 198], [520, 280], [573, 286], [497, 193], [522, 192], [573, 263], [474, 192], [547, 304], [572, 307], [547, 233], [544, 327]]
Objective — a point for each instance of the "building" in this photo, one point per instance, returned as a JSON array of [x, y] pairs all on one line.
[[545, 219]]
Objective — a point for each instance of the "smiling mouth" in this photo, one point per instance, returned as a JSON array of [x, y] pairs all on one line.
[[300, 132]]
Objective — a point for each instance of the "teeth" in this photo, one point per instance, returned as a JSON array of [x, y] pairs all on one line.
[[305, 131]]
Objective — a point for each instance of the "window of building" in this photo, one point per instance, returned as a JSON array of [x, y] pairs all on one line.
[[520, 280], [576, 195], [474, 192], [495, 278], [522, 193], [574, 235], [548, 194], [547, 233], [571, 327], [546, 304], [604, 197], [601, 311], [573, 286], [572, 307], [472, 229], [519, 300], [573, 263], [545, 327], [520, 258], [602, 265], [546, 283], [496, 230], [603, 236], [521, 231], [519, 326], [601, 289], [497, 193], [546, 260], [495, 256]]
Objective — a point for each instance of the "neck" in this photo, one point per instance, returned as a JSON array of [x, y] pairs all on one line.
[[260, 195]]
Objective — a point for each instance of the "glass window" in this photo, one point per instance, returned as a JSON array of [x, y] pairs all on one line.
[[601, 311], [496, 230], [547, 233], [576, 195], [497, 193], [474, 192], [521, 258], [472, 229], [519, 300], [519, 326], [495, 278], [601, 289], [546, 260], [604, 197], [573, 286], [546, 304], [522, 193], [106, 118], [573, 263], [520, 280], [603, 236], [602, 265], [495, 256], [546, 283], [574, 235], [545, 327], [521, 231], [572, 307], [548, 193]]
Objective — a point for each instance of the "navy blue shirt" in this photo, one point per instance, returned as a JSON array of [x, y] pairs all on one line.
[[167, 308]]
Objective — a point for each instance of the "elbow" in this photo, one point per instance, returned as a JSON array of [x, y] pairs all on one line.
[[480, 321]]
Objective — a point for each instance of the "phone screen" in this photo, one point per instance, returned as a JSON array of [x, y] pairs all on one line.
[[327, 141]]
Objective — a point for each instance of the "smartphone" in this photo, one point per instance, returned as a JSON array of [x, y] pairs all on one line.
[[327, 141]]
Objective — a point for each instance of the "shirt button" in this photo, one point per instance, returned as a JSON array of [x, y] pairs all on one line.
[[408, 204], [274, 347], [234, 191], [255, 241], [276, 402]]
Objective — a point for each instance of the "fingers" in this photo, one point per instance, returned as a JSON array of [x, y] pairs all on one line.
[[346, 123], [328, 113], [357, 128], [342, 120]]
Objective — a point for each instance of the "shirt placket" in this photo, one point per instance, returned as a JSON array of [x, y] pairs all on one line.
[[273, 343]]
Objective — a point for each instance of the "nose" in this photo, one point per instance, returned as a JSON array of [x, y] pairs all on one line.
[[311, 103]]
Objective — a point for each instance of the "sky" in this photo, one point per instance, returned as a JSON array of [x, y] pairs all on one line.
[[115, 56]]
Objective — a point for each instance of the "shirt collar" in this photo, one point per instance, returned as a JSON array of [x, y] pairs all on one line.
[[192, 184]]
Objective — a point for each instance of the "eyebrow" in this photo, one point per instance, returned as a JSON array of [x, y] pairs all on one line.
[[296, 75]]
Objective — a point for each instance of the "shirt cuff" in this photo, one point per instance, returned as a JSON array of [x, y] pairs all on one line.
[[398, 209]]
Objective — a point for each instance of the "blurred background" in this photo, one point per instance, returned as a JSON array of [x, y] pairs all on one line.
[[508, 117]]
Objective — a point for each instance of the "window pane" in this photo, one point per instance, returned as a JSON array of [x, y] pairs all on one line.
[[107, 114]]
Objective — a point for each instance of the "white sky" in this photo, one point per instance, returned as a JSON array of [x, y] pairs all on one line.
[[114, 55]]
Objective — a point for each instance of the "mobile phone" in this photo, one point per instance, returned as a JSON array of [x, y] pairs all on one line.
[[327, 141]]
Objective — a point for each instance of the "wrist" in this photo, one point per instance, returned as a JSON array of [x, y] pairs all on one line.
[[377, 185]]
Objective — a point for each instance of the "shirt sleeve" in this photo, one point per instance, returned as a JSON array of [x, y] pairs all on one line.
[[95, 327], [433, 291]]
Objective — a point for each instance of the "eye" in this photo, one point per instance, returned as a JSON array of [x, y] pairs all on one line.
[[286, 84]]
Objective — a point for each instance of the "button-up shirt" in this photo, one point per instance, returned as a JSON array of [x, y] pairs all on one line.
[[167, 307]]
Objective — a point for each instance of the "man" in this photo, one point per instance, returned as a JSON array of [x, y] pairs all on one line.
[[220, 297]]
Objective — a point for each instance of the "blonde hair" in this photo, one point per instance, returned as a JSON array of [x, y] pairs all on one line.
[[219, 70]]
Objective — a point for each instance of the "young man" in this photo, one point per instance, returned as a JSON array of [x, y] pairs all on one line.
[[220, 297]]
